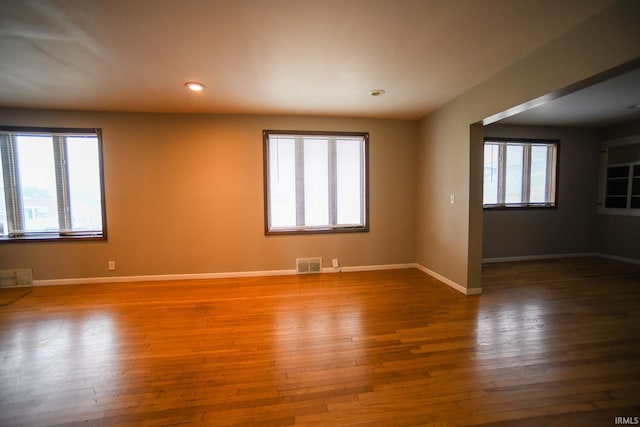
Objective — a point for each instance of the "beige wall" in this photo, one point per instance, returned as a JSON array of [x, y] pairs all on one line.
[[184, 195], [449, 239], [217, 224]]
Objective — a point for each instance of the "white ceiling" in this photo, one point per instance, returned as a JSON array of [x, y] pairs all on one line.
[[318, 57], [611, 101]]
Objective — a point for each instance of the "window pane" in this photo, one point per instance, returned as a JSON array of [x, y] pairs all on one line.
[[513, 174], [316, 182], [38, 178], [539, 176], [282, 182], [84, 183], [510, 182], [4, 226], [349, 172], [490, 183]]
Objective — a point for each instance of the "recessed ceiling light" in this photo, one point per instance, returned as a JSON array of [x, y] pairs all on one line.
[[194, 86], [377, 92]]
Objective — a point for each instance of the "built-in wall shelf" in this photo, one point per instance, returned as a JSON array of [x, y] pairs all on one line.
[[620, 177], [635, 187]]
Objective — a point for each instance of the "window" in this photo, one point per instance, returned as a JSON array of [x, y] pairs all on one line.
[[315, 182], [51, 184], [519, 173]]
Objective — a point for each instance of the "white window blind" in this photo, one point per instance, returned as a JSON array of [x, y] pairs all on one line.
[[519, 173], [315, 182], [51, 184]]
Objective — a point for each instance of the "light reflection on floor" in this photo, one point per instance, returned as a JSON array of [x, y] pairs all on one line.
[[514, 329], [60, 353], [303, 332]]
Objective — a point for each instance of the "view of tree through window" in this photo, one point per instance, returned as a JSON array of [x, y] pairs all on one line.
[[315, 182], [519, 173], [51, 184]]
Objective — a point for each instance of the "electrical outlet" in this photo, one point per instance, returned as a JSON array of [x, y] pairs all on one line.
[[335, 263], [112, 266], [453, 198]]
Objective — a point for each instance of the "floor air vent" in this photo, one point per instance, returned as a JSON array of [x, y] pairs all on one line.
[[308, 265], [16, 278]]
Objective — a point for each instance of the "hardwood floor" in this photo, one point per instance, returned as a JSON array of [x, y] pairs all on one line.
[[548, 343]]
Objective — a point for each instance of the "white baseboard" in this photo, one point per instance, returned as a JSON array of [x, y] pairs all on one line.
[[379, 267], [559, 256], [538, 257], [619, 258], [160, 277], [238, 274], [346, 269], [449, 282], [197, 276]]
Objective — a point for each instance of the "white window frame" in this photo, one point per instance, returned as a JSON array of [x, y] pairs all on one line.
[[333, 226], [13, 188], [551, 188]]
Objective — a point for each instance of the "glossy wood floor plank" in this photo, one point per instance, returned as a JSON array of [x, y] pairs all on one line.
[[547, 343]]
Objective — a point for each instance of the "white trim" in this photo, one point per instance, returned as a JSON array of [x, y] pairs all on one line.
[[161, 277], [377, 267], [225, 275], [619, 258], [604, 165], [197, 276], [618, 211], [558, 256], [621, 141], [538, 257], [449, 282]]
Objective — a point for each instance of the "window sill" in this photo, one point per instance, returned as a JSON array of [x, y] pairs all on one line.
[[519, 207], [319, 230], [53, 238]]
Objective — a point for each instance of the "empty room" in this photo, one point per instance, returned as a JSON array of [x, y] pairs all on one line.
[[319, 213]]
